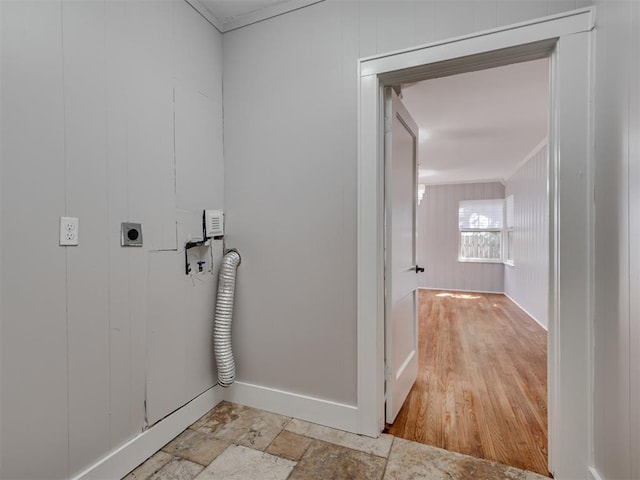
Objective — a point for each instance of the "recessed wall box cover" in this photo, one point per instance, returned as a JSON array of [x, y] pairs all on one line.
[[213, 223], [130, 234]]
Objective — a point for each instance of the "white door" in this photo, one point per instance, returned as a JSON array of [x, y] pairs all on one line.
[[401, 279]]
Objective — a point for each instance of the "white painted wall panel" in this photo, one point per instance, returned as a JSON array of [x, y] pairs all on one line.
[[521, 10], [396, 26], [454, 18], [425, 22], [485, 14], [166, 322], [89, 130], [83, 43], [438, 240], [150, 145], [34, 320], [558, 6], [127, 359], [290, 178], [196, 54], [271, 224], [527, 282], [199, 168]]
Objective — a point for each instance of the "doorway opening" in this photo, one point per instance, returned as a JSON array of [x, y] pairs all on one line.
[[565, 39], [482, 236]]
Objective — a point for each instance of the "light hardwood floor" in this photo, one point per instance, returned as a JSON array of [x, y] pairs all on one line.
[[482, 380]]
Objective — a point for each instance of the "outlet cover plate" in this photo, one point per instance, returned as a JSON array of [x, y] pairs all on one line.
[[68, 231], [130, 234]]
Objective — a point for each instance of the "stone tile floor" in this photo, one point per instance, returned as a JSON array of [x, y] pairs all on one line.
[[234, 442]]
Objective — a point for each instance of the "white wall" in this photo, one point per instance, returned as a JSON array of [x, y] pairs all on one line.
[[111, 111], [527, 281], [438, 240], [290, 102], [617, 267]]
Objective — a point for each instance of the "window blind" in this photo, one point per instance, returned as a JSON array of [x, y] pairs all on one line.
[[481, 214]]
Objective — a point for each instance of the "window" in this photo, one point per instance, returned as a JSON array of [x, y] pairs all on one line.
[[480, 223]]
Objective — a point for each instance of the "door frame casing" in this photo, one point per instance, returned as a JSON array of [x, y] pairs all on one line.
[[566, 39]]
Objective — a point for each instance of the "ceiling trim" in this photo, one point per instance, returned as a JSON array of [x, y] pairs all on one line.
[[199, 7], [250, 18], [461, 182], [266, 13]]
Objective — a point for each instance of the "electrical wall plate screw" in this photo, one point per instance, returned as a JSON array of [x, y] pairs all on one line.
[[130, 234]]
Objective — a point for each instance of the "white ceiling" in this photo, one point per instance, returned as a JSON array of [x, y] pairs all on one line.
[[479, 126]]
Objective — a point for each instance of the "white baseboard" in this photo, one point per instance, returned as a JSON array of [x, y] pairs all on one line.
[[594, 474], [525, 311], [127, 457], [459, 290], [315, 410]]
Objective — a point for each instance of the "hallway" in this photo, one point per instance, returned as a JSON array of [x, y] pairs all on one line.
[[482, 380]]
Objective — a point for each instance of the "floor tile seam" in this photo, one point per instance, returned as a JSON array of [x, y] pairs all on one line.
[[177, 455], [294, 468], [386, 461], [272, 440], [345, 446], [341, 446], [454, 453], [196, 462], [288, 422], [173, 457], [264, 452], [283, 429], [303, 452], [229, 445]]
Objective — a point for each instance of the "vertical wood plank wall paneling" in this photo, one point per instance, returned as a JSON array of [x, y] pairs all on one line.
[[33, 171], [617, 265], [83, 45], [438, 242], [111, 112], [527, 282]]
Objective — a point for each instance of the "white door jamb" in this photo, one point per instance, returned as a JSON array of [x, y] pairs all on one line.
[[565, 39]]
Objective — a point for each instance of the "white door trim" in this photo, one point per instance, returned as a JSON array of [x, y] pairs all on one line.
[[565, 38]]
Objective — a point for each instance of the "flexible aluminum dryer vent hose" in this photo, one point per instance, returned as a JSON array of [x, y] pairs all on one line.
[[223, 316]]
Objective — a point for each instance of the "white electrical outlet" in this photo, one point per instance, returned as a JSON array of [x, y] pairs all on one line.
[[68, 231]]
